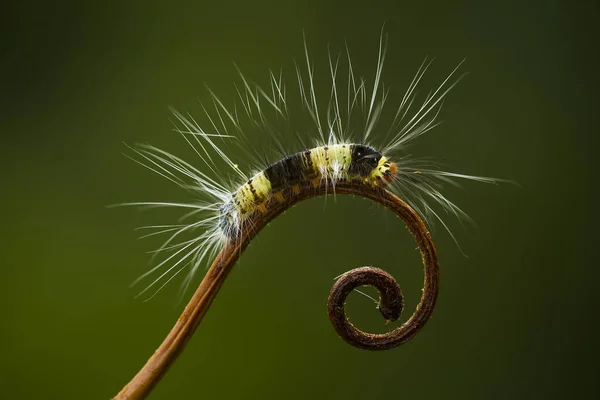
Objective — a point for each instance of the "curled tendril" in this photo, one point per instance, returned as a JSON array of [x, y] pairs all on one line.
[[390, 304]]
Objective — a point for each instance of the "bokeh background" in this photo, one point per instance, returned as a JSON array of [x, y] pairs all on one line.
[[517, 318]]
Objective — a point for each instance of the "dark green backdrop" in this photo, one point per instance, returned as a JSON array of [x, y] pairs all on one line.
[[516, 319]]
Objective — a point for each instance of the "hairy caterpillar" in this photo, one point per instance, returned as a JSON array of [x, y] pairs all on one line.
[[352, 162], [346, 145]]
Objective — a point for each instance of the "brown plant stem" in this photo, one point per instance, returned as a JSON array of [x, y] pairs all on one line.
[[390, 296]]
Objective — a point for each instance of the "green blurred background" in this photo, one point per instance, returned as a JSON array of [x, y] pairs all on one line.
[[516, 319]]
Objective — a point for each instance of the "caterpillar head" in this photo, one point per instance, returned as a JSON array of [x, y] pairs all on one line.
[[371, 165], [384, 172]]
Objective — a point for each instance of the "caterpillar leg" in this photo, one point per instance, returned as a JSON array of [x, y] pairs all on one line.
[[279, 197]]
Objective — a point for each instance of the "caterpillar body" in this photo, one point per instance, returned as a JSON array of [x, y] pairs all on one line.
[[348, 145], [350, 162]]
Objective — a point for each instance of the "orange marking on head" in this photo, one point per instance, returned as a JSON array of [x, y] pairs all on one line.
[[392, 169]]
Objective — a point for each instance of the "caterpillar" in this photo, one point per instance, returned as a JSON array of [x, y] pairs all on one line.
[[346, 145], [350, 162]]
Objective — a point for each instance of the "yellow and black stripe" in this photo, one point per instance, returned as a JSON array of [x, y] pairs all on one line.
[[334, 162]]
